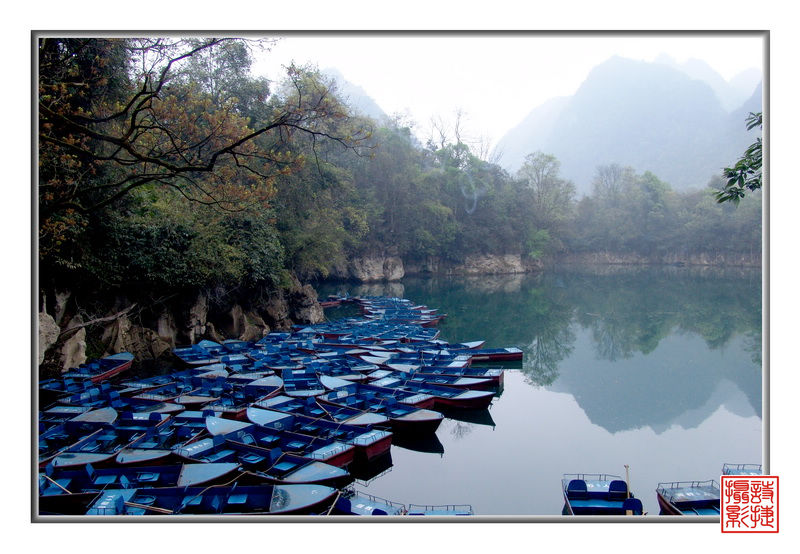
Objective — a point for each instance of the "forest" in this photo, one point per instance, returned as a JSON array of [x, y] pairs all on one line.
[[165, 165]]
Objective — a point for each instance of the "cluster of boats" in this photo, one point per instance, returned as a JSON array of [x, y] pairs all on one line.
[[266, 427], [601, 494]]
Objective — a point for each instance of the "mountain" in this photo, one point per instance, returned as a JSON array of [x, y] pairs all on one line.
[[731, 93], [355, 96], [650, 116], [531, 134]]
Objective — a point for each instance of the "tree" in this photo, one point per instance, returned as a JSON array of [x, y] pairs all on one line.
[[551, 197], [746, 174], [117, 115]]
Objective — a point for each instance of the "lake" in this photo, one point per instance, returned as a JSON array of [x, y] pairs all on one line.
[[656, 368]]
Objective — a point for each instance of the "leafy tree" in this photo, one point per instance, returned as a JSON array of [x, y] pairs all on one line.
[[746, 174], [117, 115]]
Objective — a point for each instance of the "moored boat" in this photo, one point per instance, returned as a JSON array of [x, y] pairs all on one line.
[[741, 469], [369, 443], [598, 494], [101, 369], [698, 498], [243, 500], [359, 503]]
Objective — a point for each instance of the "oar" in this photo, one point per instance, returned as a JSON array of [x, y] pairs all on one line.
[[628, 486], [57, 484]]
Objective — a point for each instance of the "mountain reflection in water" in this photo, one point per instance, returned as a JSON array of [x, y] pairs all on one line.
[[657, 368]]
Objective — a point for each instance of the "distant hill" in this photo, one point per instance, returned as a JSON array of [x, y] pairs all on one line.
[[355, 96], [651, 116]]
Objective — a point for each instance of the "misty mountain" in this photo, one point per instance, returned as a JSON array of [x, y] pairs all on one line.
[[355, 96], [731, 94], [651, 116]]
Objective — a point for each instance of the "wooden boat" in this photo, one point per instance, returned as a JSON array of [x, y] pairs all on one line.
[[301, 383], [157, 445], [409, 398], [59, 414], [700, 498], [241, 500], [741, 469], [403, 417], [50, 390], [359, 503], [369, 443], [195, 355], [444, 397], [138, 386], [598, 494], [309, 407], [102, 445], [453, 381], [57, 438], [495, 375], [495, 354], [254, 440], [102, 369], [58, 481]]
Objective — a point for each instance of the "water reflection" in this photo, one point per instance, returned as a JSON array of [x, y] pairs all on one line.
[[478, 417], [625, 342], [428, 444], [656, 368]]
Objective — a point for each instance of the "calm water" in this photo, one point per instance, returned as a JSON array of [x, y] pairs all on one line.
[[659, 369]]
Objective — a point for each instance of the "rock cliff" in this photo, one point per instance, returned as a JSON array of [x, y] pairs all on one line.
[[74, 329]]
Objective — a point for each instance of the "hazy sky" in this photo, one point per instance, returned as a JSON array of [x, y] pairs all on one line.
[[495, 79]]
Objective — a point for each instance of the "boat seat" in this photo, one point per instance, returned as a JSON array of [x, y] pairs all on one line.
[[251, 458], [268, 440], [124, 482], [617, 490], [633, 505], [147, 477], [105, 479], [576, 489], [296, 445], [237, 499], [284, 466]]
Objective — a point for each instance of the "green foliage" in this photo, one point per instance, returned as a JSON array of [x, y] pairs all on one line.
[[746, 174]]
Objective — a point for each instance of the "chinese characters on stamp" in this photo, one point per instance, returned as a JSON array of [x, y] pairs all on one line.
[[749, 504]]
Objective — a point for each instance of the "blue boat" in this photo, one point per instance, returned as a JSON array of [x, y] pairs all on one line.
[[311, 408], [249, 436], [742, 469], [158, 443], [697, 498], [101, 446], [598, 494], [408, 412], [440, 510], [359, 503], [101, 369], [195, 355], [301, 383], [414, 376], [57, 481], [57, 438], [369, 443], [242, 500], [444, 397]]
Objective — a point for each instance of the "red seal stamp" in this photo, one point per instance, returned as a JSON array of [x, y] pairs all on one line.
[[749, 503]]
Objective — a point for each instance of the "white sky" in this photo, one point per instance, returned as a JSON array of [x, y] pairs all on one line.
[[495, 79]]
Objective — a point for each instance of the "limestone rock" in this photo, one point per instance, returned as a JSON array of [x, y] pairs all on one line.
[[73, 349], [197, 319], [376, 268], [48, 333], [305, 306]]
